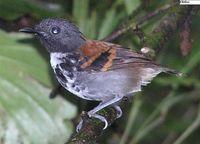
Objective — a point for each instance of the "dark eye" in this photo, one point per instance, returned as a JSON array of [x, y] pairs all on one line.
[[55, 30]]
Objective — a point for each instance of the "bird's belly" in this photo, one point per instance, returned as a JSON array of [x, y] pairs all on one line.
[[99, 86], [68, 80], [72, 87], [107, 85]]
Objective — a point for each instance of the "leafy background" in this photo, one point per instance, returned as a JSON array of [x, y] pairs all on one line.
[[165, 112]]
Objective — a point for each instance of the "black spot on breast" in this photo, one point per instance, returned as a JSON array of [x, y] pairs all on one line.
[[66, 66], [73, 85], [70, 75], [73, 58], [77, 89], [70, 60], [68, 69], [60, 75]]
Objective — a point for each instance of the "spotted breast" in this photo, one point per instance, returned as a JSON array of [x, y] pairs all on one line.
[[65, 67]]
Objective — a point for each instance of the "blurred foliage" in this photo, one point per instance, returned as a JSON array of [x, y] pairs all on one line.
[[166, 111], [27, 114], [11, 10]]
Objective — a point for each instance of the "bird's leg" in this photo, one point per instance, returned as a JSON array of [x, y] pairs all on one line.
[[93, 112], [82, 118], [55, 91]]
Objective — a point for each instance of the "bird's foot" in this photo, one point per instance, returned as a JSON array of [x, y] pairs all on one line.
[[80, 124], [94, 115], [119, 111], [101, 118]]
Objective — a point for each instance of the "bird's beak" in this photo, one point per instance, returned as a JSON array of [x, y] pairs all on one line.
[[28, 30], [32, 31]]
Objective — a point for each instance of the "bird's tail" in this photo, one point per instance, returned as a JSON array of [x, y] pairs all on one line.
[[172, 71]]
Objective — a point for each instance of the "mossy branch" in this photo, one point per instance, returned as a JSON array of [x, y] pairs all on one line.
[[168, 26]]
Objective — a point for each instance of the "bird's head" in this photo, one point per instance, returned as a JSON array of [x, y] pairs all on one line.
[[57, 35]]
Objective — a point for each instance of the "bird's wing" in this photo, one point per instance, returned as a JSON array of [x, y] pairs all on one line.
[[104, 56], [98, 56]]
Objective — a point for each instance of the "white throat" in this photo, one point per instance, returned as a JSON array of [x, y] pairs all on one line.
[[55, 58]]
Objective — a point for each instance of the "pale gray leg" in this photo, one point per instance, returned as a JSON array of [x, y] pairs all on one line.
[[92, 113], [79, 126], [102, 105]]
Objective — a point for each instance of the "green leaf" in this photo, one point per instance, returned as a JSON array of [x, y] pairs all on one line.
[[86, 24], [131, 5], [80, 13], [27, 115], [109, 23], [11, 10]]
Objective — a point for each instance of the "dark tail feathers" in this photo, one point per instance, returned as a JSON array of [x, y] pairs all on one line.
[[172, 71]]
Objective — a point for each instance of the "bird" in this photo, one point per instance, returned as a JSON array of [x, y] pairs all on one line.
[[94, 70]]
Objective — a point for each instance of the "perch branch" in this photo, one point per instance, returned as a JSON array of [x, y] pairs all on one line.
[[169, 25], [93, 128], [126, 26]]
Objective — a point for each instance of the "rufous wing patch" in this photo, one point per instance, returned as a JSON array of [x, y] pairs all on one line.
[[90, 60], [93, 50], [111, 57]]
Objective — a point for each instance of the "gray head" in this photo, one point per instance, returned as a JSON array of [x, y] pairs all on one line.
[[57, 35]]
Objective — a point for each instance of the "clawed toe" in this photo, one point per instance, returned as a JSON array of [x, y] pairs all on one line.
[[101, 118], [119, 111], [79, 126]]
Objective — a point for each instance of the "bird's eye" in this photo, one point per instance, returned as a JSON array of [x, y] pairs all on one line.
[[55, 30]]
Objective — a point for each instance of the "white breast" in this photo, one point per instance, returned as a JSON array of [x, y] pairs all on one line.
[[56, 59]]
